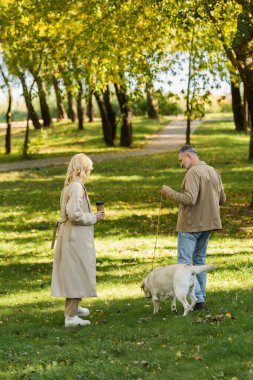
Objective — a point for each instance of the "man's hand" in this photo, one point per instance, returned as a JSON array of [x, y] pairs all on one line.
[[165, 190]]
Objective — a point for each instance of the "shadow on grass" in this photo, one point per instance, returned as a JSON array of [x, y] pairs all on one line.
[[117, 310], [33, 277]]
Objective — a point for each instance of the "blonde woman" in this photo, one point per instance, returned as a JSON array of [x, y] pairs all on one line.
[[74, 268]]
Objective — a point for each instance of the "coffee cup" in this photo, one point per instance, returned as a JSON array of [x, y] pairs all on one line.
[[100, 206]]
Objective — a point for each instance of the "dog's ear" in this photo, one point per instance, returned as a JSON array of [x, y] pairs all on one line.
[[142, 285]]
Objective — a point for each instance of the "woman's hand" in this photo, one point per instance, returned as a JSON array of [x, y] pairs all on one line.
[[100, 215]]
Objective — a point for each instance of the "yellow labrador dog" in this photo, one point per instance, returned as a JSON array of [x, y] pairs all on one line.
[[175, 281]]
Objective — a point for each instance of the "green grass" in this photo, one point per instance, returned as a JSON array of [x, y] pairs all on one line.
[[64, 139], [125, 341]]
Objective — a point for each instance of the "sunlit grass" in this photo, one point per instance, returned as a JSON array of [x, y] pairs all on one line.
[[125, 340], [65, 139]]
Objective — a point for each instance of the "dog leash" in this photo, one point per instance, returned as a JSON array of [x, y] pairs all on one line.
[[157, 230]]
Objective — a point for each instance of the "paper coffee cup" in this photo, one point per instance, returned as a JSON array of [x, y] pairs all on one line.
[[100, 206]]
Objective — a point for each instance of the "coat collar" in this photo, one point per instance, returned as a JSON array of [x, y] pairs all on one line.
[[199, 163], [78, 180]]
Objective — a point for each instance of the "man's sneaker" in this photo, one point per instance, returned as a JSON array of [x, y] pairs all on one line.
[[75, 321], [82, 312], [200, 305]]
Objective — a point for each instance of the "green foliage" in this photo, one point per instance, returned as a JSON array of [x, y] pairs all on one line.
[[168, 103], [125, 340], [140, 106]]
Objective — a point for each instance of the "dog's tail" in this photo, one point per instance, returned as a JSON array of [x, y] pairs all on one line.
[[203, 268]]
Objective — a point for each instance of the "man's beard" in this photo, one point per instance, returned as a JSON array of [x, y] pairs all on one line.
[[187, 165]]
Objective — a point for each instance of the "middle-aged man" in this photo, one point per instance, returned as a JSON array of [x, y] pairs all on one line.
[[201, 194]]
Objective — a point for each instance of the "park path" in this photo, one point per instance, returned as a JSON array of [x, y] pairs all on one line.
[[168, 139]]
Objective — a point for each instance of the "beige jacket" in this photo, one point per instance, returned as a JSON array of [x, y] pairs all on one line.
[[74, 267], [201, 194]]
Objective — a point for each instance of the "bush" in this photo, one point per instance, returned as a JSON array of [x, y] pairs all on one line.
[[140, 107], [168, 103]]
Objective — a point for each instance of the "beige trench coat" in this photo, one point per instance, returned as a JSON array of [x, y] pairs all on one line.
[[74, 267]]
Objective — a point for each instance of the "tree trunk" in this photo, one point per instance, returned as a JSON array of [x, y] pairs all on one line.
[[126, 133], [110, 112], [248, 87], [188, 130], [45, 113], [106, 126], [80, 109], [189, 96], [61, 113], [251, 205], [8, 122], [31, 111], [26, 141], [90, 110], [152, 102], [237, 106], [8, 113], [71, 112], [251, 130], [245, 113]]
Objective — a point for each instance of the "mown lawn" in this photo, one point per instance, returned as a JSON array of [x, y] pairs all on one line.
[[64, 139], [125, 341]]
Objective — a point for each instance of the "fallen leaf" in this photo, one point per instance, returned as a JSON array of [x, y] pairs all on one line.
[[197, 357], [178, 355]]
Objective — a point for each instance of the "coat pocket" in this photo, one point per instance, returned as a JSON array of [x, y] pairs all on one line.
[[187, 214]]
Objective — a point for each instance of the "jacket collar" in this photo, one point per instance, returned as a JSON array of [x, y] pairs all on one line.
[[78, 180], [199, 163]]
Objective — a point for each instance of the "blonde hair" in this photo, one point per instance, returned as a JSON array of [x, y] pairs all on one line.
[[80, 167]]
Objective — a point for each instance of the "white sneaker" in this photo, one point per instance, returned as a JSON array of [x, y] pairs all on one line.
[[75, 321], [82, 312]]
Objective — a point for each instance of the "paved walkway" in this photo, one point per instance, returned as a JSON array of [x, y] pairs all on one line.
[[168, 139]]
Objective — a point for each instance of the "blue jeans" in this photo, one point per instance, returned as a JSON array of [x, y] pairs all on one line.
[[191, 250]]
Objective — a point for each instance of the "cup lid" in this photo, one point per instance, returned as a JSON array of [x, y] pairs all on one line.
[[99, 203]]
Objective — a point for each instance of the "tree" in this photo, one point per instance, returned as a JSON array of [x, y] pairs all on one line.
[[7, 84], [44, 108], [80, 107], [237, 105], [59, 101], [151, 101], [27, 93], [90, 108], [126, 135], [205, 64], [110, 112], [106, 125], [233, 22], [70, 110]]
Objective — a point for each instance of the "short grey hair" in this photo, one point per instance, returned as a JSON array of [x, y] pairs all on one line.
[[188, 148]]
